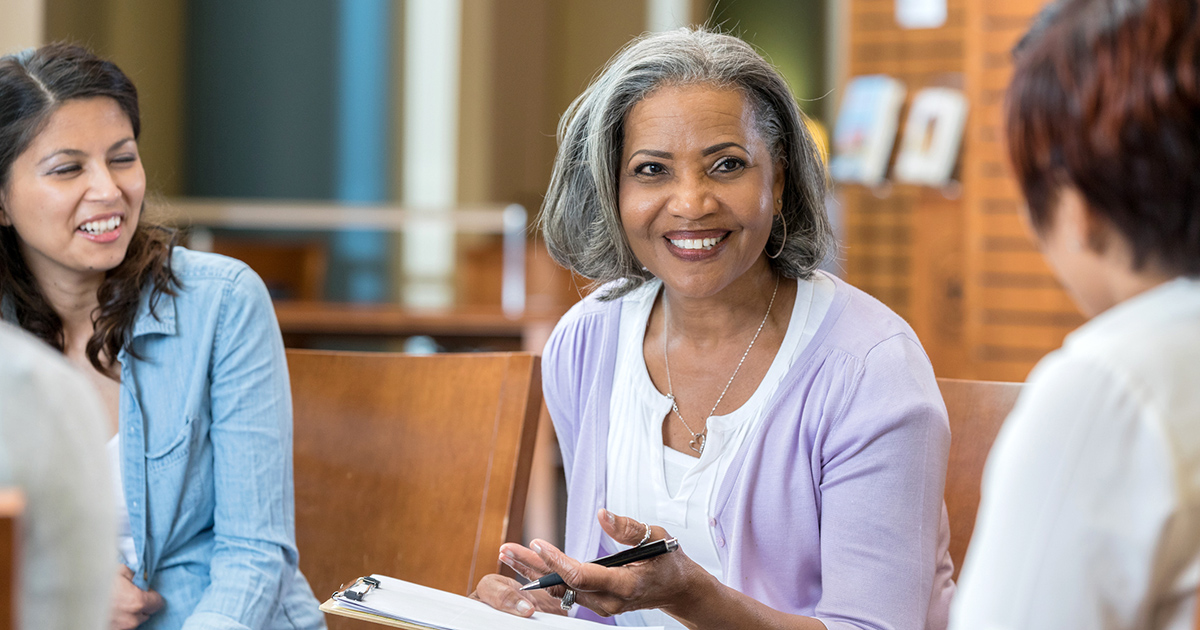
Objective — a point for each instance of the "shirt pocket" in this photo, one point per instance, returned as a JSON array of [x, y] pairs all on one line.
[[175, 451]]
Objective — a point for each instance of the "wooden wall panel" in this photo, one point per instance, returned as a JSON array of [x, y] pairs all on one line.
[[961, 269], [1016, 310], [903, 244]]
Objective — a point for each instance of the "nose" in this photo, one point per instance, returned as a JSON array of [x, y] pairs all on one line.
[[693, 198], [103, 186]]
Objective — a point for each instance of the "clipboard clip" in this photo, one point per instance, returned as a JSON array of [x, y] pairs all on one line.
[[359, 589]]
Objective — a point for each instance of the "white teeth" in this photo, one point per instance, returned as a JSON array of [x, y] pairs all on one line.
[[696, 243], [100, 227]]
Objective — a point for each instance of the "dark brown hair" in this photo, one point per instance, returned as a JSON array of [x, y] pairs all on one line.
[[33, 84], [1106, 99]]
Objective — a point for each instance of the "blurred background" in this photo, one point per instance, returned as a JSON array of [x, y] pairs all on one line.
[[380, 162]]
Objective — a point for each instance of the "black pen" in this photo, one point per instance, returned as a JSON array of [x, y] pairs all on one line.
[[619, 559]]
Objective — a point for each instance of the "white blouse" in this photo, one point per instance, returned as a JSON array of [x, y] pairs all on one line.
[[1091, 497], [125, 548], [653, 483]]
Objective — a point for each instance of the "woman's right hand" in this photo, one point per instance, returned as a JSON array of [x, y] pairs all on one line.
[[131, 605], [503, 593]]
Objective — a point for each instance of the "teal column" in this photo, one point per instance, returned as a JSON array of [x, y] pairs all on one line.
[[362, 157]]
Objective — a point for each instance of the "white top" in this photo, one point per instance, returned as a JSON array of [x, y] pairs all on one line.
[[1090, 516], [52, 448], [655, 484], [126, 550]]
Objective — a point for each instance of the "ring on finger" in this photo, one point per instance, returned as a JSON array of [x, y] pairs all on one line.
[[646, 537], [568, 600]]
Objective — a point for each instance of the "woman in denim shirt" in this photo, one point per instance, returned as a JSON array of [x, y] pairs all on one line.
[[183, 347]]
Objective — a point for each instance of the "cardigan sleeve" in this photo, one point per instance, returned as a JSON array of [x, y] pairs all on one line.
[[882, 473], [574, 376], [561, 384]]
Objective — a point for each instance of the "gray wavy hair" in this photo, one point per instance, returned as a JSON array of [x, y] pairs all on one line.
[[580, 219]]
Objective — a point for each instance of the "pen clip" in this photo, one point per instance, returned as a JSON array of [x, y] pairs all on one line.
[[359, 589]]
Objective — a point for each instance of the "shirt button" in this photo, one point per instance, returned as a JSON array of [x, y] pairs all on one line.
[[720, 541], [712, 522]]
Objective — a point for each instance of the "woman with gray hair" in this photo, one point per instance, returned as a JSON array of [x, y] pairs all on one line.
[[785, 427]]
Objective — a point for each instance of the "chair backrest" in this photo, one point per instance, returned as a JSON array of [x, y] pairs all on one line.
[[410, 466], [976, 410], [12, 507], [292, 270]]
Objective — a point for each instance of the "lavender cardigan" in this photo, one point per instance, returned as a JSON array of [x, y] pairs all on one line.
[[834, 509]]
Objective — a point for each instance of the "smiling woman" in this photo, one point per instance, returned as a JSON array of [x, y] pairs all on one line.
[[69, 193], [182, 347], [785, 427]]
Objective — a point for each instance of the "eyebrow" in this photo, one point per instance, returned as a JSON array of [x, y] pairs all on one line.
[[666, 155], [77, 152], [721, 147]]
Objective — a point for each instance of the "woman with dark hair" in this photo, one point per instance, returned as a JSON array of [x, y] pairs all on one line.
[[182, 346], [785, 427], [1090, 515]]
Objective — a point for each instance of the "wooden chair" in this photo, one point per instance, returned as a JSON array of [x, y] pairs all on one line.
[[12, 508], [410, 466], [976, 409]]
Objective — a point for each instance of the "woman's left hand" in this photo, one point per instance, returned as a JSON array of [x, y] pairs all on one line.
[[668, 582]]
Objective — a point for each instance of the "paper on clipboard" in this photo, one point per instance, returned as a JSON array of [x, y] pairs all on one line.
[[403, 604]]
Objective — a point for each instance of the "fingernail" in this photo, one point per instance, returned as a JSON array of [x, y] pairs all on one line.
[[524, 607], [508, 554], [612, 518], [535, 547]]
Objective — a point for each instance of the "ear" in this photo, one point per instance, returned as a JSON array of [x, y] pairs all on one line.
[[779, 182], [1082, 228], [1070, 218]]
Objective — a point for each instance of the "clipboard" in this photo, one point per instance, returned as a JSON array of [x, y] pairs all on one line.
[[331, 607], [391, 602]]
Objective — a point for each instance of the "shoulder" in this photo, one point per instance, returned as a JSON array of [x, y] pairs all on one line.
[[874, 374], [587, 322], [27, 360], [212, 278], [1145, 351], [863, 328], [47, 402], [581, 349], [206, 267]]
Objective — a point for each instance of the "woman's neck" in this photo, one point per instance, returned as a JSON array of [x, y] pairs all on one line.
[[75, 299], [741, 306]]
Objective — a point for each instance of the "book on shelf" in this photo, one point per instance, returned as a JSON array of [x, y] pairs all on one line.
[[932, 137], [865, 132]]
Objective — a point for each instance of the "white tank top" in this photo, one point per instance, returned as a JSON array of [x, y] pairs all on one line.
[[126, 551]]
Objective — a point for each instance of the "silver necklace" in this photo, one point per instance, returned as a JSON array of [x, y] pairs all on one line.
[[698, 439]]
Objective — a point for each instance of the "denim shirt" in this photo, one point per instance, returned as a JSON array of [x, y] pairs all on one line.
[[206, 449]]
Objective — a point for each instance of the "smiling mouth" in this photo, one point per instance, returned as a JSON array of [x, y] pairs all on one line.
[[698, 243], [104, 226]]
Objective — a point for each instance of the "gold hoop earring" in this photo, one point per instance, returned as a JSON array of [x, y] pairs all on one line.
[[783, 242]]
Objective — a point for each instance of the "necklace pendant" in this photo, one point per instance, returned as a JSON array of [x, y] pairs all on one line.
[[697, 443]]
